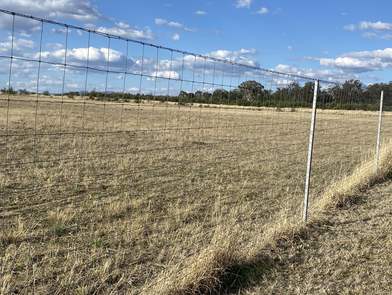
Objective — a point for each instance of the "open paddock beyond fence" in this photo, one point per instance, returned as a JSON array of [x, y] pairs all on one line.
[[105, 196]]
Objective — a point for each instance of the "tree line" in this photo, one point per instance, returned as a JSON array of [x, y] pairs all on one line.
[[351, 95]]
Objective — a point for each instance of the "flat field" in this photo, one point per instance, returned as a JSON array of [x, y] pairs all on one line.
[[102, 197]]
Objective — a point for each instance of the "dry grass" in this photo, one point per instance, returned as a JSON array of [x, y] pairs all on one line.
[[166, 199], [363, 177], [347, 251], [211, 271]]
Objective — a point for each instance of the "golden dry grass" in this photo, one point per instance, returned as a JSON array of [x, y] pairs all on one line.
[[347, 251], [211, 272], [156, 198]]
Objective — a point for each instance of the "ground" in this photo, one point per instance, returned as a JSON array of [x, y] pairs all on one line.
[[104, 196], [350, 254]]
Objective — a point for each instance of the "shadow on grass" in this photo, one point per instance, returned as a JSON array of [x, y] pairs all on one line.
[[251, 273], [246, 275]]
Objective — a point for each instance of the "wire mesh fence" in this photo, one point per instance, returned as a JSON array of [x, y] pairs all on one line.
[[133, 153]]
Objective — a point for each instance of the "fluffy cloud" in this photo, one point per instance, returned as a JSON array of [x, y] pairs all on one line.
[[243, 3], [372, 29], [172, 24], [19, 44], [199, 65], [82, 10], [353, 64], [166, 74], [332, 75], [360, 61], [382, 54], [243, 56], [23, 27], [81, 54], [176, 37], [125, 30], [350, 28], [263, 10], [378, 26], [200, 12]]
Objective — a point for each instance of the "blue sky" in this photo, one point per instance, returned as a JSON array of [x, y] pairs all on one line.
[[296, 33], [333, 39]]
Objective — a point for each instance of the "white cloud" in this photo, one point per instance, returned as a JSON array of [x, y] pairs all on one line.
[[370, 35], [263, 10], [243, 3], [333, 75], [198, 64], [200, 12], [386, 37], [361, 61], [97, 56], [378, 26], [125, 30], [55, 46], [81, 10], [294, 70], [350, 28], [374, 29], [352, 64], [172, 24], [176, 37], [18, 44], [243, 56], [166, 74], [383, 54]]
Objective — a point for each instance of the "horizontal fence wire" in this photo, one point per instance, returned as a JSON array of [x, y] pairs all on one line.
[[112, 143]]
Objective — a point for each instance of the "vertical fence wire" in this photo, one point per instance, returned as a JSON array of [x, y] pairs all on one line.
[[37, 92], [63, 90], [9, 87], [379, 131]]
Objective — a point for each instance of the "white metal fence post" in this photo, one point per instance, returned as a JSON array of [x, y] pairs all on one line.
[[310, 151], [378, 147]]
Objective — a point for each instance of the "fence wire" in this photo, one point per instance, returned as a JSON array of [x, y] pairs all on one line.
[[121, 144]]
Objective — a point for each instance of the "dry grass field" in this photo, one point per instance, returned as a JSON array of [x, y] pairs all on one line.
[[348, 254], [99, 198]]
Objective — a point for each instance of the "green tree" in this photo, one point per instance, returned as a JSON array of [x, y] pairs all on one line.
[[251, 90], [9, 90], [220, 96]]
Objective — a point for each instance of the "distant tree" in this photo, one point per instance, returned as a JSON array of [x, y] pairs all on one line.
[[9, 90], [251, 90], [353, 87], [349, 95], [220, 96], [23, 92]]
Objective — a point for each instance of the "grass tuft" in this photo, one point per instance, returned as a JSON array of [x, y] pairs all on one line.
[[60, 222]]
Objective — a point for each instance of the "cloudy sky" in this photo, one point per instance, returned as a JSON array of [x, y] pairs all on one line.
[[332, 39]]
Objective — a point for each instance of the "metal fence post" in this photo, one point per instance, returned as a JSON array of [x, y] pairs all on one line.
[[378, 147], [310, 151]]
